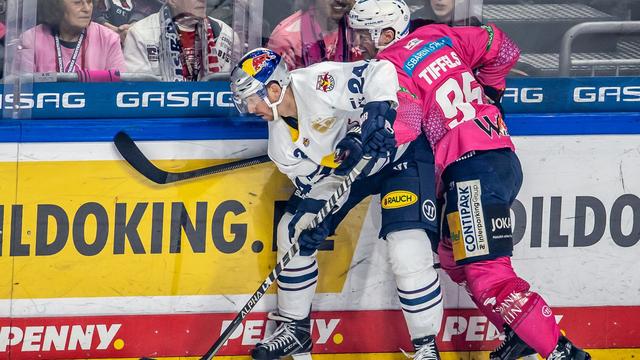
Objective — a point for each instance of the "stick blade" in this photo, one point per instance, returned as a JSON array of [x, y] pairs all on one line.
[[132, 154]]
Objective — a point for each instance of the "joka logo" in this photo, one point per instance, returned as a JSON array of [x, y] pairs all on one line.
[[60, 337], [500, 223], [398, 199]]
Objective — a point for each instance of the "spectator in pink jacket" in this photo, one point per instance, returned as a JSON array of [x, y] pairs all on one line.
[[68, 41], [318, 32]]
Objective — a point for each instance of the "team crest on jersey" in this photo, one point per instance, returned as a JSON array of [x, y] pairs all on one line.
[[322, 125], [411, 44], [325, 82]]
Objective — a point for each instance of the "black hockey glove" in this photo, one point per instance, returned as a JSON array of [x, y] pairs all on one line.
[[309, 239], [495, 96], [377, 129], [348, 152]]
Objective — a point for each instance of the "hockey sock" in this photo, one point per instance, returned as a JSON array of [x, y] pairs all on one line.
[[297, 283], [501, 292], [418, 284]]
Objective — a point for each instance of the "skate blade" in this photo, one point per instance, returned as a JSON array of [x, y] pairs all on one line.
[[301, 356]]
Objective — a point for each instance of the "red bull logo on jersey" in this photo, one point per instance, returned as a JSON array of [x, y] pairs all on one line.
[[255, 64], [325, 82]]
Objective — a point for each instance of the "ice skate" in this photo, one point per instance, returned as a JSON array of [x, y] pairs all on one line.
[[425, 349], [565, 350], [291, 338], [512, 347]]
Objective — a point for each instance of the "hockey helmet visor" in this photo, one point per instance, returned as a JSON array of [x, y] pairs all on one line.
[[249, 79]]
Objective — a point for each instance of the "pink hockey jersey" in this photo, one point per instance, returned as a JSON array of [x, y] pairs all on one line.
[[441, 71]]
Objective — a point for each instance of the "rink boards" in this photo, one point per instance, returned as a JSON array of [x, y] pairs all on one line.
[[96, 261]]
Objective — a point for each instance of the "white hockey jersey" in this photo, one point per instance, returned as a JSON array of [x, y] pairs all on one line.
[[329, 98]]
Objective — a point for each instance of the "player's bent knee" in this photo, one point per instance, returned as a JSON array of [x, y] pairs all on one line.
[[409, 251]]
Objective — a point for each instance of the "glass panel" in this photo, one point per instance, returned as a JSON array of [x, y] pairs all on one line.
[[112, 40], [452, 12], [313, 31], [602, 37], [19, 55], [176, 43]]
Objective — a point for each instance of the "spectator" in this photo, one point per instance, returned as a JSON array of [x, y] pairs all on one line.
[[451, 12], [177, 44], [119, 15], [317, 32], [221, 10], [69, 41]]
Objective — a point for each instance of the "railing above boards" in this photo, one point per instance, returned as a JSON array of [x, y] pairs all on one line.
[[601, 27]]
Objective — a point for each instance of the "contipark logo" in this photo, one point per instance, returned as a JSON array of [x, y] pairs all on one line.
[[40, 338], [472, 230], [398, 199]]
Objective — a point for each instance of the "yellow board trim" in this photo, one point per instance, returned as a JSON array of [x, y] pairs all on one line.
[[600, 354]]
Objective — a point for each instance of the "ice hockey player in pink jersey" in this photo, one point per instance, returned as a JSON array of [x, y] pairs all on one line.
[[451, 81]]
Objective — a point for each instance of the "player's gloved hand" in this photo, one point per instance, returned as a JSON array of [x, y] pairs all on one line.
[[348, 152], [495, 95], [377, 129], [299, 224], [311, 239]]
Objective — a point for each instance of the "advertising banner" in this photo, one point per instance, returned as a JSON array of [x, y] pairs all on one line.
[[213, 99], [99, 262]]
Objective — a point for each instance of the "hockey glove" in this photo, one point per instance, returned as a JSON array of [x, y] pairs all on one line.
[[309, 239], [495, 95], [377, 131], [348, 152]]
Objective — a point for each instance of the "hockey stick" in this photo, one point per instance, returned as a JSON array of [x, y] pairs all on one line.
[[293, 251], [130, 152]]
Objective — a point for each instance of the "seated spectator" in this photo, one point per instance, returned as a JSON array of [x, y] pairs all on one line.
[[222, 10], [444, 12], [68, 41], [179, 43], [317, 32], [119, 15]]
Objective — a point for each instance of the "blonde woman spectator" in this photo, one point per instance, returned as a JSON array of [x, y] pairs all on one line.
[[318, 32], [68, 41], [179, 43]]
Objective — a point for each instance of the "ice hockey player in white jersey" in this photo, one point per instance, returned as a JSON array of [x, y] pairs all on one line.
[[315, 116]]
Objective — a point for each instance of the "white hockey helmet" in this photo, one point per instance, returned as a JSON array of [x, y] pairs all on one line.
[[250, 77], [377, 15]]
